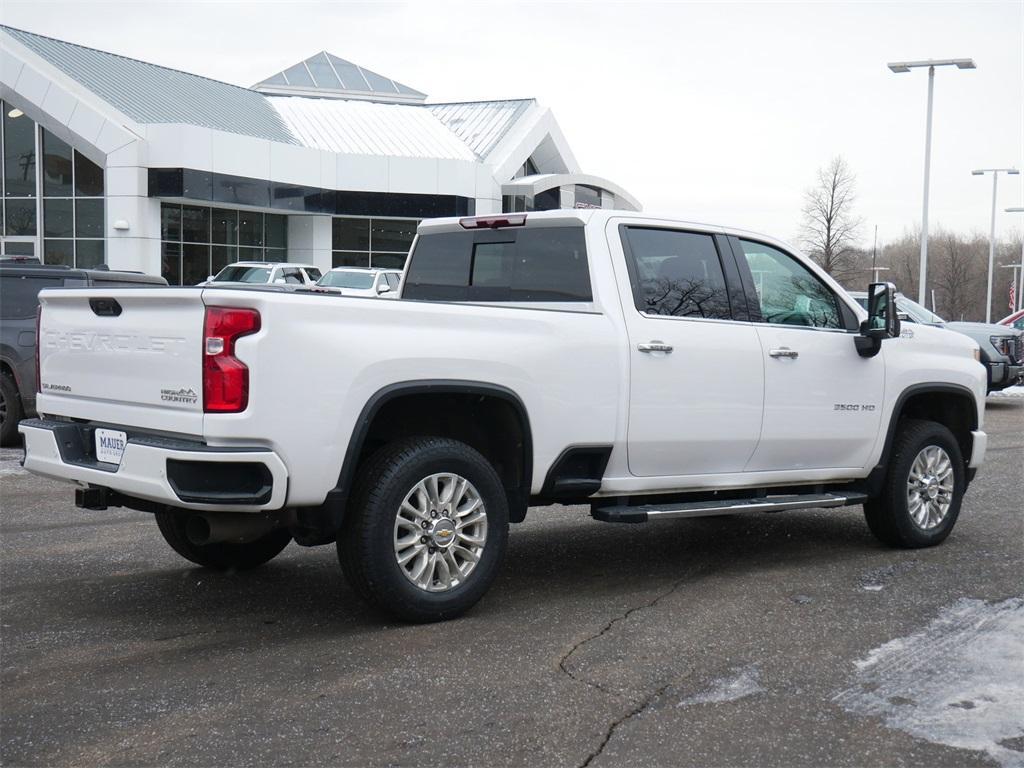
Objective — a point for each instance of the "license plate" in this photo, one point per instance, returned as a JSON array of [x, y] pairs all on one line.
[[110, 445]]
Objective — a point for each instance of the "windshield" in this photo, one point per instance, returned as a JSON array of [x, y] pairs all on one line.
[[239, 274], [347, 279], [916, 312]]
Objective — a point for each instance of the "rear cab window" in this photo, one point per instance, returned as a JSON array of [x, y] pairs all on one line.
[[515, 265], [19, 294], [676, 273]]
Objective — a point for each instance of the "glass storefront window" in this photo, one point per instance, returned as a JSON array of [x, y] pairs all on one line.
[[59, 252], [19, 154], [170, 222], [57, 160], [350, 234], [58, 218], [250, 228], [170, 262], [195, 224], [350, 259], [88, 177], [388, 260], [20, 216], [225, 226], [394, 235], [276, 231], [89, 218], [195, 263], [88, 253]]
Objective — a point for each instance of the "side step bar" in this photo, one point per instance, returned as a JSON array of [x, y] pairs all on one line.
[[644, 512]]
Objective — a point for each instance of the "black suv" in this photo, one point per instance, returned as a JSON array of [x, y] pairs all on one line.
[[20, 284]]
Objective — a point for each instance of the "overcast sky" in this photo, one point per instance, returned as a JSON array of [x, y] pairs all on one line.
[[719, 112]]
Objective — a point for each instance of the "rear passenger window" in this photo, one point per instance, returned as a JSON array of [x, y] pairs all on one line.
[[19, 295], [676, 274], [543, 264]]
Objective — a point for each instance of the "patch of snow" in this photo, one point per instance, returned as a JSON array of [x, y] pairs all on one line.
[[1017, 391], [744, 682], [958, 682]]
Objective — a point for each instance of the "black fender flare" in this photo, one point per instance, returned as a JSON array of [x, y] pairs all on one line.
[[337, 497]]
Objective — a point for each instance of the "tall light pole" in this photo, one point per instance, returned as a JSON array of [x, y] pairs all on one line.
[[900, 67], [1020, 288], [992, 231]]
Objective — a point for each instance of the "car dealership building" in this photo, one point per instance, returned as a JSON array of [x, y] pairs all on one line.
[[111, 160]]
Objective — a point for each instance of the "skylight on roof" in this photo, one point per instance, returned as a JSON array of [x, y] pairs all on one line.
[[327, 76]]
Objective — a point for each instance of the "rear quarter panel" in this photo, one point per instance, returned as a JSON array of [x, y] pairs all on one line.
[[320, 358]]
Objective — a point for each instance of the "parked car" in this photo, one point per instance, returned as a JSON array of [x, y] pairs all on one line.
[[1016, 320], [1002, 348], [648, 367], [269, 272], [20, 283], [355, 281]]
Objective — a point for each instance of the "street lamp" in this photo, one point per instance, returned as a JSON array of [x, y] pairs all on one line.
[[1020, 288], [992, 232], [905, 66]]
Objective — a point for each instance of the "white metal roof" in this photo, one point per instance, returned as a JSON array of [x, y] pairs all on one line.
[[360, 127], [148, 93], [480, 124]]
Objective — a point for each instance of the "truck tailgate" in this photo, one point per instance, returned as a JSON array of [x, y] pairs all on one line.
[[123, 356]]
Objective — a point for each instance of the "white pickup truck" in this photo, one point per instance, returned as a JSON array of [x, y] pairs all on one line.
[[648, 367]]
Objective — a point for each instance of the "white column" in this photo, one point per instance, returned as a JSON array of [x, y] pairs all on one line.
[[132, 223], [309, 240]]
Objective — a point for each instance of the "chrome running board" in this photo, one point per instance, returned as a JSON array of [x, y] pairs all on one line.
[[644, 512]]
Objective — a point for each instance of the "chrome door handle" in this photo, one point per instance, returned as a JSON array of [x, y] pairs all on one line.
[[654, 346], [792, 354]]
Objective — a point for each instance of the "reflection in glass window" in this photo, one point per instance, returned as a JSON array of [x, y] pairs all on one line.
[[170, 262], [88, 177], [195, 263], [788, 292], [59, 252], [276, 230], [58, 218], [394, 235], [350, 259], [350, 234], [19, 154], [195, 224], [89, 218], [676, 274], [88, 253], [57, 159], [20, 216], [250, 228], [388, 260], [225, 226]]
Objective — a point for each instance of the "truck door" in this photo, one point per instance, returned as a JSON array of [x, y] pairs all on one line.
[[822, 401], [696, 375]]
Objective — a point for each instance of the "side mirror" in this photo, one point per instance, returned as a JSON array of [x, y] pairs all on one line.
[[209, 278], [883, 320], [383, 288], [903, 316]]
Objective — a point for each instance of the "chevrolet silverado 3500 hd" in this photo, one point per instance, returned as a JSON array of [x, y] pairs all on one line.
[[648, 367]]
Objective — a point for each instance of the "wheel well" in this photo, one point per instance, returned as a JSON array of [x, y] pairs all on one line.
[[954, 410], [492, 424]]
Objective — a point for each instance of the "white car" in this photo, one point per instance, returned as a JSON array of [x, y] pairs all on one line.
[[356, 281], [645, 366], [266, 272]]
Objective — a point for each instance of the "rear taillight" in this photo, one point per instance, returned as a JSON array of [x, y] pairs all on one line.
[[225, 377], [39, 343]]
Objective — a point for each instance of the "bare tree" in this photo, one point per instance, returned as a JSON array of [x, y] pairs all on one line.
[[829, 228]]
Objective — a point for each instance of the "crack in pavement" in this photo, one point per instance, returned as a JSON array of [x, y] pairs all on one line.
[[563, 662], [638, 705], [638, 709]]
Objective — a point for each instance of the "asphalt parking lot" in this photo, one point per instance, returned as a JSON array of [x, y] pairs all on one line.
[[787, 639]]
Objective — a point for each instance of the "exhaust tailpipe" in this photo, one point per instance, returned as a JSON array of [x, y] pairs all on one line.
[[234, 529]]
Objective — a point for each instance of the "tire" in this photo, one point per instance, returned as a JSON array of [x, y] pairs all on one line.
[[221, 556], [890, 515], [378, 521], [11, 411]]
